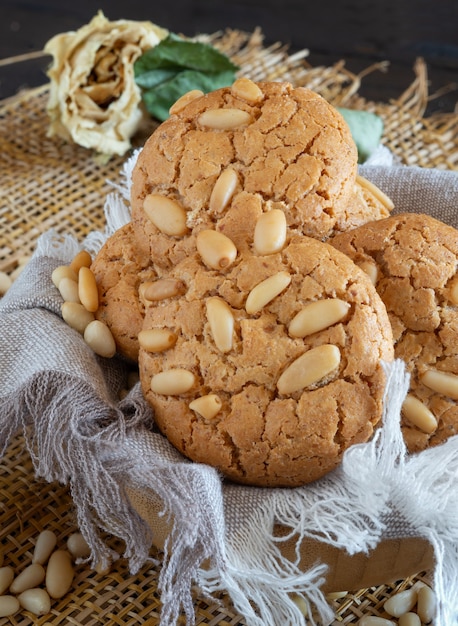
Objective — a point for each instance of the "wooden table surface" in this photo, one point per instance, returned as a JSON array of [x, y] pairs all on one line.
[[361, 32]]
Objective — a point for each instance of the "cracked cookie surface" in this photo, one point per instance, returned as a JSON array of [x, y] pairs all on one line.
[[263, 433], [413, 259], [292, 152]]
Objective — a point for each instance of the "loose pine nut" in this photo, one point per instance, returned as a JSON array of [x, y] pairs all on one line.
[[336, 595], [223, 190], [224, 119], [309, 368], [426, 604], [216, 250], [167, 215], [46, 542], [317, 316], [6, 578], [68, 289], [5, 283], [409, 619], [63, 271], [441, 382], [372, 620], [9, 605], [98, 336], [266, 291], [59, 573], [185, 99], [82, 259], [270, 232], [156, 339], [401, 602], [173, 382], [418, 414], [207, 406], [78, 547], [30, 577], [374, 190], [371, 270], [87, 289], [37, 601], [301, 604], [247, 90], [76, 315], [221, 322], [162, 289]]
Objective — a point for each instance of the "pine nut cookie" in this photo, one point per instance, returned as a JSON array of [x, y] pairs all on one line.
[[120, 267], [266, 366], [257, 146], [413, 260]]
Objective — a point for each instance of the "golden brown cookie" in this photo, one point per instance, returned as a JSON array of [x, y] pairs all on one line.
[[120, 267], [413, 261], [266, 365], [244, 150]]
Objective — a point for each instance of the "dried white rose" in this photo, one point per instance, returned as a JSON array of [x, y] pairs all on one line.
[[94, 100]]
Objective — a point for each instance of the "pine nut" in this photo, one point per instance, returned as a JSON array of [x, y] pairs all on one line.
[[98, 336], [76, 315], [224, 119], [68, 289], [87, 289], [454, 291], [266, 291], [9, 605], [309, 368], [401, 602], [372, 620], [441, 382], [185, 99], [167, 215], [336, 595], [37, 601], [31, 576], [6, 578], [216, 250], [63, 271], [207, 406], [46, 542], [374, 190], [317, 316], [78, 547], [426, 604], [301, 604], [173, 382], [5, 283], [247, 90], [162, 289], [418, 414], [156, 339], [221, 322], [409, 619], [223, 190], [59, 573], [270, 232], [82, 259], [371, 270]]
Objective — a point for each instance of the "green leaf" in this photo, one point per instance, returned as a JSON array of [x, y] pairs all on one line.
[[366, 129], [159, 100], [175, 66]]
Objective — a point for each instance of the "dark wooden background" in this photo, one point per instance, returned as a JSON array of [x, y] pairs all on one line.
[[359, 31]]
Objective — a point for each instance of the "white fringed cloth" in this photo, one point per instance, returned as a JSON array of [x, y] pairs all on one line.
[[66, 400]]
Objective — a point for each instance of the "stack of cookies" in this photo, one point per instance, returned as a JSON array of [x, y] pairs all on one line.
[[261, 284]]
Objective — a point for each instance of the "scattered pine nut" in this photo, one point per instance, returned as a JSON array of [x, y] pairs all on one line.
[[45, 544], [35, 600]]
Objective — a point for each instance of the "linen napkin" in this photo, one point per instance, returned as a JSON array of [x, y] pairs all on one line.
[[66, 399]]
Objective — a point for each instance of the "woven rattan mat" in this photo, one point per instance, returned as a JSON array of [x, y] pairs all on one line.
[[47, 184]]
